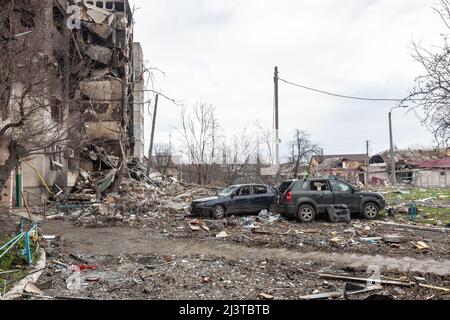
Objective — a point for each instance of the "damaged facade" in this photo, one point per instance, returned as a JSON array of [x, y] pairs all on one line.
[[421, 168], [106, 98], [349, 167]]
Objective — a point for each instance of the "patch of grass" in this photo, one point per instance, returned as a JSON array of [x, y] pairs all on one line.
[[417, 194], [14, 257], [433, 215], [14, 261], [428, 215]]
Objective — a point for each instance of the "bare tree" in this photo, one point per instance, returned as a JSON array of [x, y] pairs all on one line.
[[238, 154], [34, 95], [265, 142], [163, 156], [431, 95], [302, 150], [200, 137]]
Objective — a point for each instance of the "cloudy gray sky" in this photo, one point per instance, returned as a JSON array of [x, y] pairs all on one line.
[[224, 51]]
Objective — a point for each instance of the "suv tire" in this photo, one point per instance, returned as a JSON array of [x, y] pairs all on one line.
[[370, 211], [306, 213]]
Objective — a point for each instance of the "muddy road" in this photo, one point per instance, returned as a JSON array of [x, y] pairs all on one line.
[[140, 263]]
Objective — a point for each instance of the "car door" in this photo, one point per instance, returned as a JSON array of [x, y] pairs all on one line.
[[320, 192], [344, 194], [242, 200], [262, 198]]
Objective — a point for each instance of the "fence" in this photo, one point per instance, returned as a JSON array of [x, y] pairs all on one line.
[[22, 235]]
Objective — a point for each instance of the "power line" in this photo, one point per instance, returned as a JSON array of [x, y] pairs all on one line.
[[341, 95]]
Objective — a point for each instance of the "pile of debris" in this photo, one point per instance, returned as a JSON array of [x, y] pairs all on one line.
[[100, 198]]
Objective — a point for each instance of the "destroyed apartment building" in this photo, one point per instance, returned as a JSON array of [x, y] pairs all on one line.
[[106, 97]]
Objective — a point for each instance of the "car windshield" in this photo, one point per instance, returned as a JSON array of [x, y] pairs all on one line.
[[227, 192]]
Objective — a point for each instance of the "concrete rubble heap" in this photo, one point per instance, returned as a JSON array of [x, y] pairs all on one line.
[[138, 197]]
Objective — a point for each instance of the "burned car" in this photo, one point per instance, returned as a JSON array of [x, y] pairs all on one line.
[[237, 199]]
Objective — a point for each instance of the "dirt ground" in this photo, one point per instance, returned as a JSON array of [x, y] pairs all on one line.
[[144, 245], [153, 262]]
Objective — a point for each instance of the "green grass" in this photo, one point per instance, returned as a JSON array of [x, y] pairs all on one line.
[[434, 215], [418, 194], [14, 257], [433, 211], [13, 260]]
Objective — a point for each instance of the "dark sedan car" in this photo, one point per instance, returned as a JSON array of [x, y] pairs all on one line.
[[239, 199]]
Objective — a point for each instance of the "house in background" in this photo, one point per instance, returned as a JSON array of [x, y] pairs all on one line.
[[421, 168], [348, 167]]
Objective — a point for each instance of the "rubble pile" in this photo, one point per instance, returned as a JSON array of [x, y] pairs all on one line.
[[165, 276], [138, 198], [136, 203]]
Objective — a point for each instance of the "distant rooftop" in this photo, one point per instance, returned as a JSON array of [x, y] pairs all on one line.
[[352, 157]]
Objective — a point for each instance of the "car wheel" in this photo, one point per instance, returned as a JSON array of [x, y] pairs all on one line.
[[218, 212], [306, 213], [370, 211]]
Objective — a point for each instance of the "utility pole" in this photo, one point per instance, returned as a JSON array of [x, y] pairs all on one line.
[[19, 193], [393, 174], [367, 147], [277, 124], [150, 151]]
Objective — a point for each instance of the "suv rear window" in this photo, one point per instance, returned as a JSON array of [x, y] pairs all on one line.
[[300, 186], [284, 186]]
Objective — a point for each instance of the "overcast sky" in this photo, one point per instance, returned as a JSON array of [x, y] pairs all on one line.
[[224, 51]]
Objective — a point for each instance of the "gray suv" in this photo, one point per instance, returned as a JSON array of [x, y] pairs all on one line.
[[307, 198]]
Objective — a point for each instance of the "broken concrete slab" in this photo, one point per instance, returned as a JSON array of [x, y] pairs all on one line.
[[98, 53], [393, 238]]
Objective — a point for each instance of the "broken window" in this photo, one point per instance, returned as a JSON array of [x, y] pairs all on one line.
[[99, 4], [284, 186], [90, 2], [56, 158], [5, 95], [339, 186], [319, 186], [260, 190], [56, 110], [101, 108], [120, 7], [244, 191], [109, 5]]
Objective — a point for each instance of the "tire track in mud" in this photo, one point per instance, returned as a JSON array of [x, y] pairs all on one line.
[[116, 241]]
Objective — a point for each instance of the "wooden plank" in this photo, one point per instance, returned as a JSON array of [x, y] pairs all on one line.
[[414, 227], [433, 287], [338, 277], [338, 294]]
